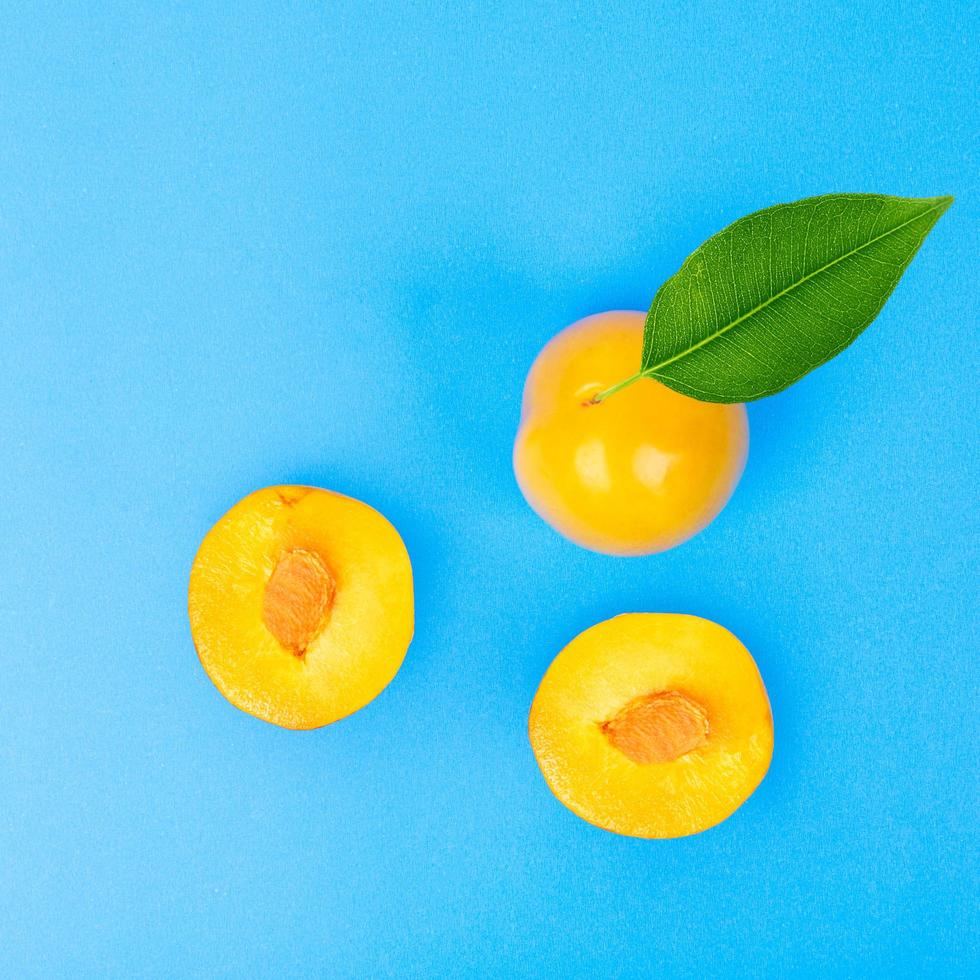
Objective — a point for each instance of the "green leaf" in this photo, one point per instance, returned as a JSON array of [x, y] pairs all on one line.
[[780, 292]]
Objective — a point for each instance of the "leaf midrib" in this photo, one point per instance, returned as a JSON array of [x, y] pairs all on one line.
[[783, 292]]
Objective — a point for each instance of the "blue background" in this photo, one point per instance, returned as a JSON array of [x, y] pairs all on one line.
[[244, 244]]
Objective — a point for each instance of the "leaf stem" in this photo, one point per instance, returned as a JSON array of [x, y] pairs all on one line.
[[603, 395]]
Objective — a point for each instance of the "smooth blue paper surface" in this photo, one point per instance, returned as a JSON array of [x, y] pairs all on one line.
[[260, 243]]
